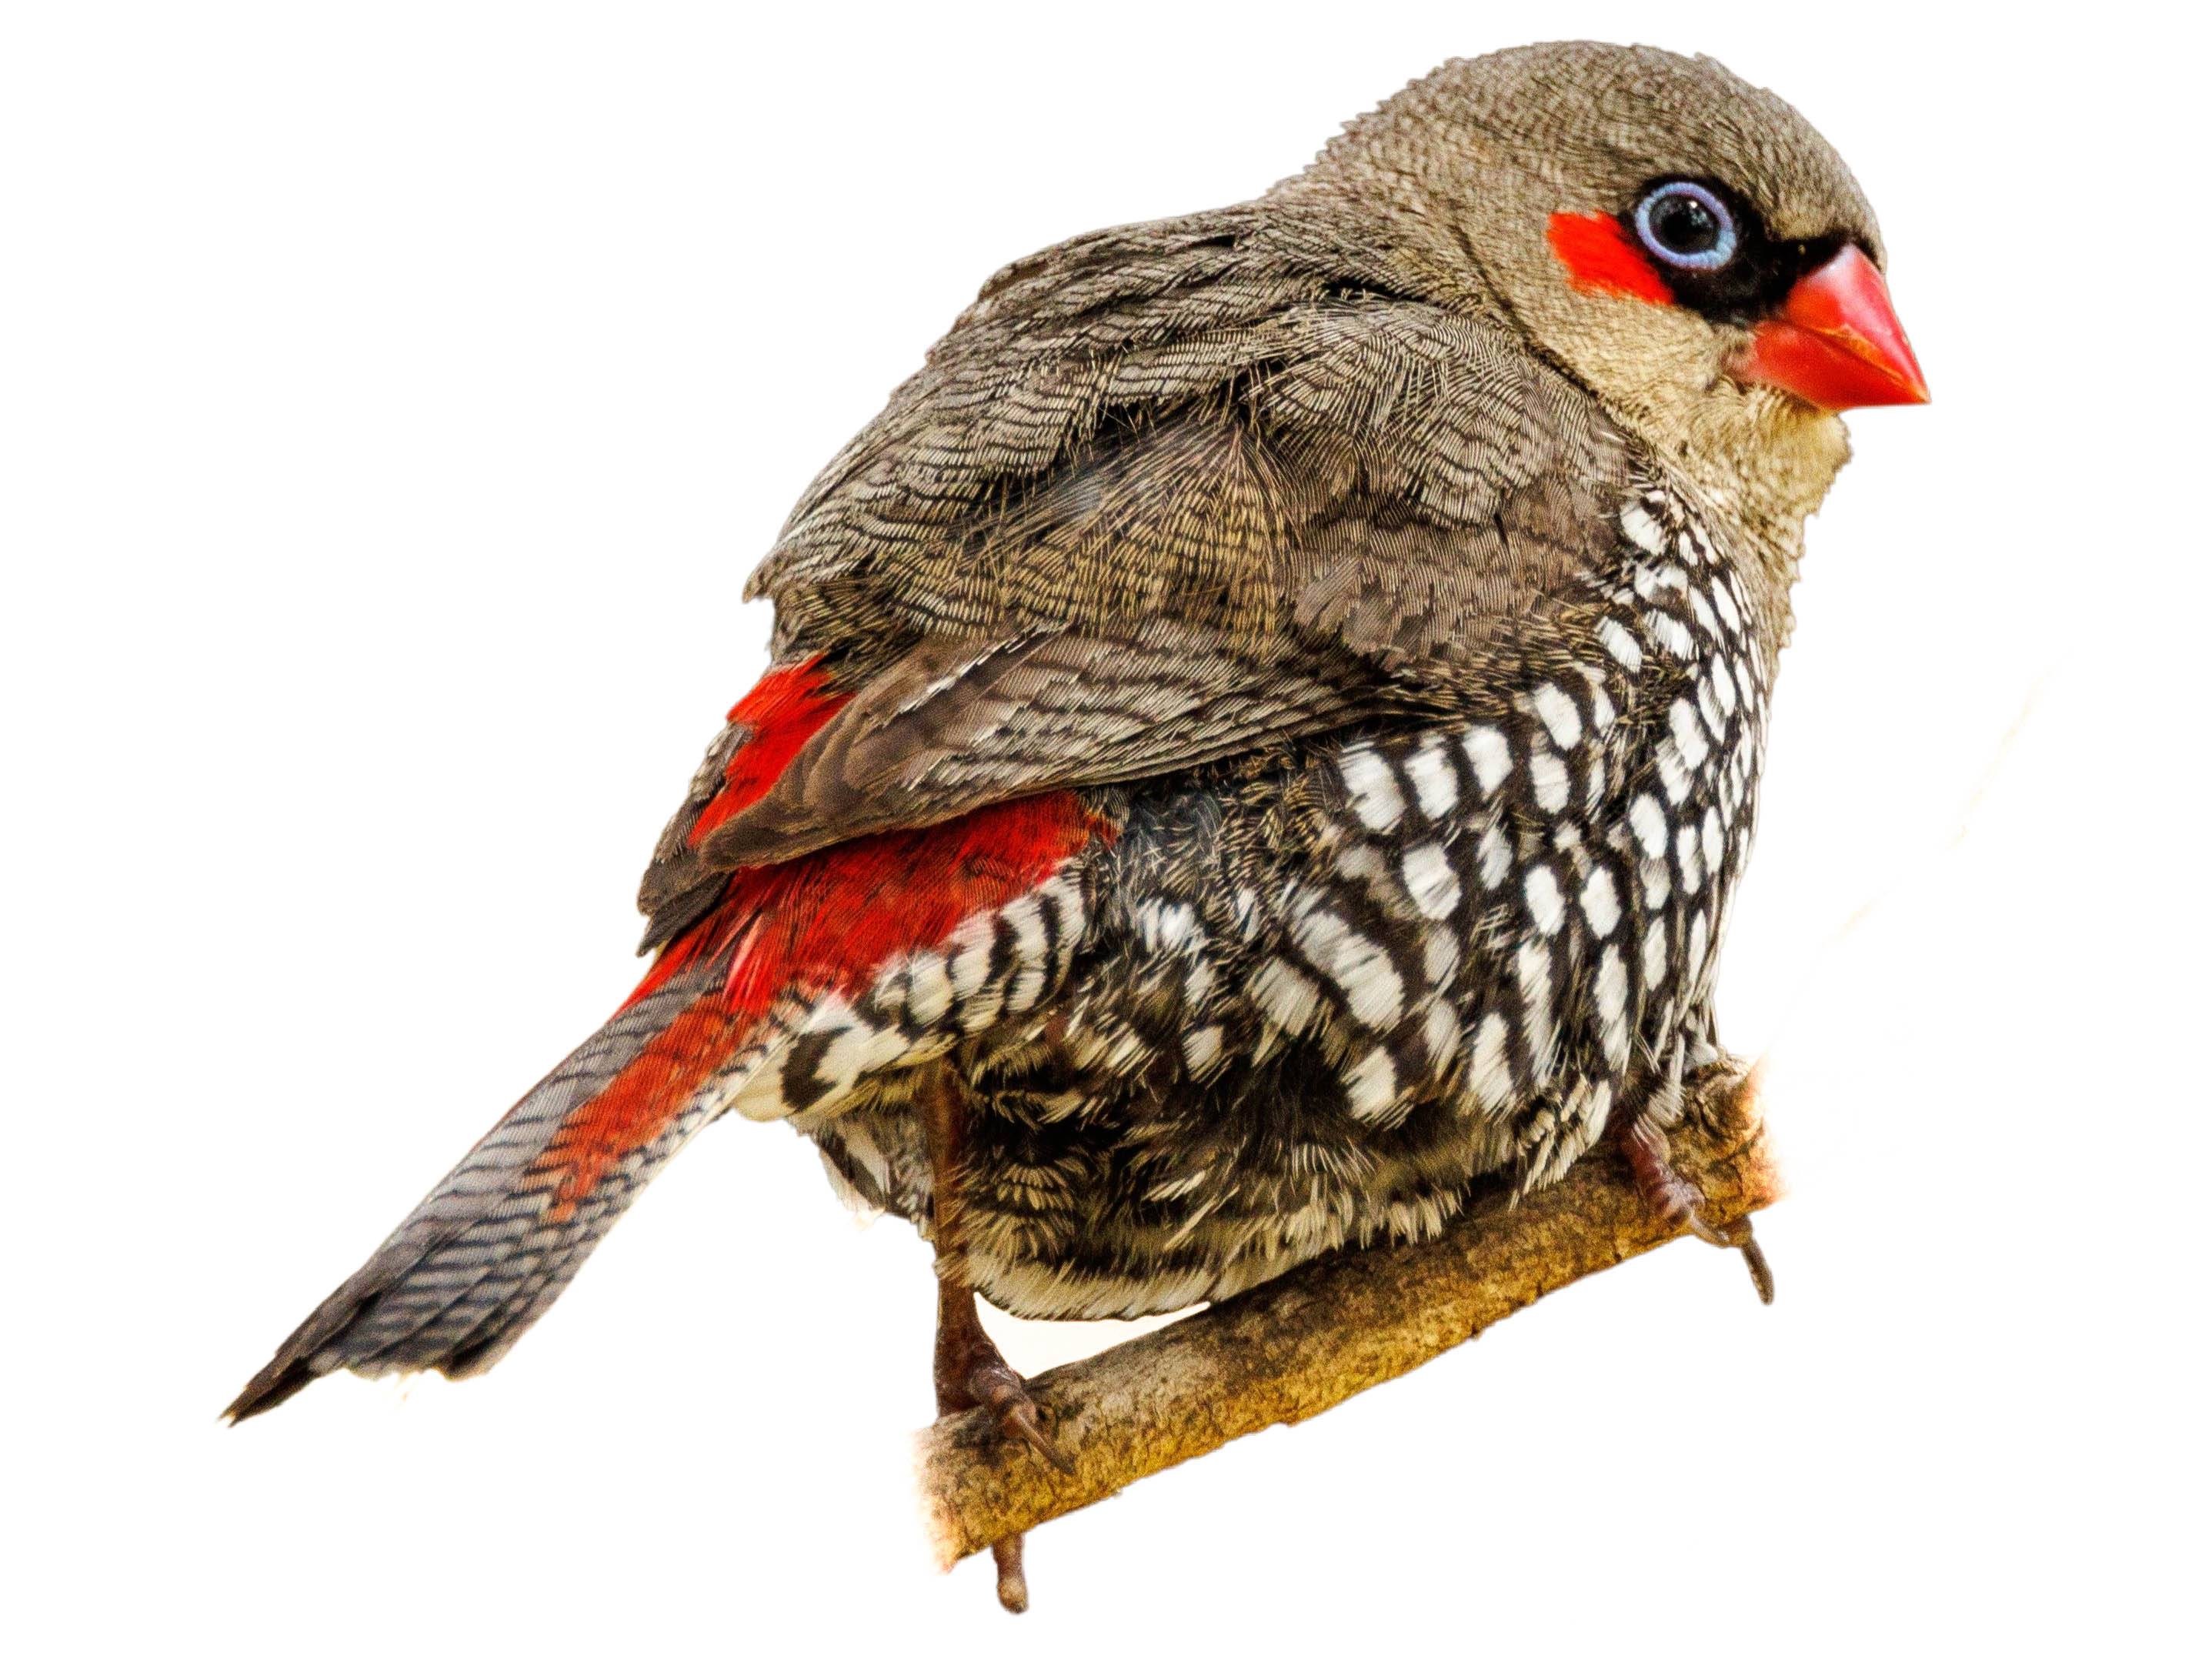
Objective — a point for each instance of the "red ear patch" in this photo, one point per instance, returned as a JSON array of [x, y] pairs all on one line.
[[1600, 258]]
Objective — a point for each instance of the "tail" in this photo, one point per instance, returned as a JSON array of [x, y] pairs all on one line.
[[807, 981], [487, 1252]]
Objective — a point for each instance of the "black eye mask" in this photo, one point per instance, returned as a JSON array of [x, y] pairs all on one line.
[[1711, 250]]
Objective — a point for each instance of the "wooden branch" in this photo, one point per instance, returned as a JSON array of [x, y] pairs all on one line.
[[1290, 1349]]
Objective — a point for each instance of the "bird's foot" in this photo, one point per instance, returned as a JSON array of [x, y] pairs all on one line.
[[1676, 1200], [971, 1371]]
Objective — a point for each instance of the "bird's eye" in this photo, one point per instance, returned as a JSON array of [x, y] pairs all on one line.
[[1686, 226]]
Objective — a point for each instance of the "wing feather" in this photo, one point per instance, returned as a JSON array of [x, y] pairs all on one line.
[[1161, 495]]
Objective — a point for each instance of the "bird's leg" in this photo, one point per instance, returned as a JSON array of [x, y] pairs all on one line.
[[1672, 1198], [969, 1368]]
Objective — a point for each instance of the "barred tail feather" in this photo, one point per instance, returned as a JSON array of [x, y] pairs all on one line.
[[500, 1237], [806, 981]]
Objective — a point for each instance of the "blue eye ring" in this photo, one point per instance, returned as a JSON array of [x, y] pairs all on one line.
[[1694, 196]]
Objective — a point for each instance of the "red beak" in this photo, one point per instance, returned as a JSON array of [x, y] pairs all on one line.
[[1837, 344]]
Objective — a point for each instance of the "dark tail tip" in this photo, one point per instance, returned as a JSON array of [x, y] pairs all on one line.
[[277, 1382], [485, 1253]]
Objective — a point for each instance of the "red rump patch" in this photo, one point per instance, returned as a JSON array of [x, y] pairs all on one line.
[[822, 925], [637, 1103], [1599, 256], [785, 709]]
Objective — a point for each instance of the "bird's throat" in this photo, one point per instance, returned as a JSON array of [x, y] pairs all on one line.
[[1769, 461]]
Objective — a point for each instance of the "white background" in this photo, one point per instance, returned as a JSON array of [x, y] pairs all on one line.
[[394, 399]]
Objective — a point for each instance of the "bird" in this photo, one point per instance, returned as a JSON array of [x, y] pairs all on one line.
[[1262, 734]]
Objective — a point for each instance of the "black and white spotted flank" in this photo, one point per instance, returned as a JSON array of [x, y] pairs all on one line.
[[1334, 997]]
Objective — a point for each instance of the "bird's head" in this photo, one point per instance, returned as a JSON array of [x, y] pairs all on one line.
[[1682, 243]]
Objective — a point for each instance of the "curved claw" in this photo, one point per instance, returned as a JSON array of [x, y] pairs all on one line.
[[994, 1387], [1762, 1276], [1737, 1237], [1726, 1238], [1673, 1199], [1022, 1423]]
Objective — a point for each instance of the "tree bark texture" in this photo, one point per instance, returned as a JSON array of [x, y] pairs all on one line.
[[1290, 1349]]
